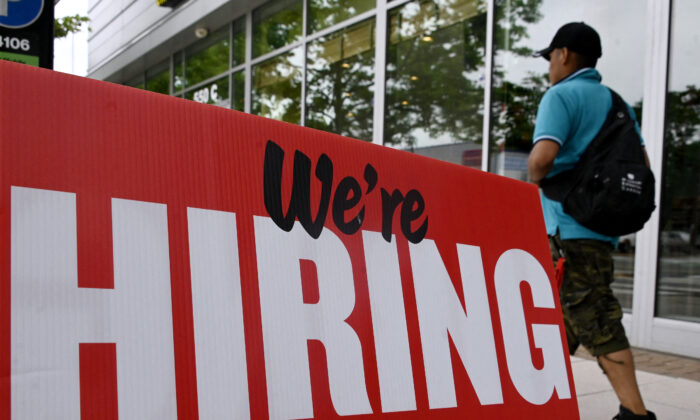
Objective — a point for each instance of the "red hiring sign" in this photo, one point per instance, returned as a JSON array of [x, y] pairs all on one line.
[[165, 259]]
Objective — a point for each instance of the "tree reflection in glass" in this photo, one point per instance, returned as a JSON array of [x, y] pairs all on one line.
[[178, 72], [681, 182], [435, 73], [238, 54], [678, 294], [137, 82], [275, 25], [514, 100], [207, 58], [277, 87], [158, 78], [340, 82], [325, 13], [238, 91]]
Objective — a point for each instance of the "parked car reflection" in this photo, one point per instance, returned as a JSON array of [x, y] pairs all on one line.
[[675, 241], [671, 242]]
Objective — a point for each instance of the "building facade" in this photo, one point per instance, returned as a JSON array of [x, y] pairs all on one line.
[[450, 79]]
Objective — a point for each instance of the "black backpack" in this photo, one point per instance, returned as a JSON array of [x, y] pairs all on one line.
[[611, 189]]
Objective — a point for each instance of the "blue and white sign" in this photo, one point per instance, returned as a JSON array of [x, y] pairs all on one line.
[[19, 13]]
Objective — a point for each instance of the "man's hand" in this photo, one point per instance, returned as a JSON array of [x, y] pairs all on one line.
[[541, 159]]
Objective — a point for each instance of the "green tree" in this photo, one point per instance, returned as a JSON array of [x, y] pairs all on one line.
[[69, 25]]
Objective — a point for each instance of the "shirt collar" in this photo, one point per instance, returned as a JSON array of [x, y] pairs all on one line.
[[584, 73]]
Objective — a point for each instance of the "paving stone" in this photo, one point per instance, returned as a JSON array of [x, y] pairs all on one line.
[[671, 398], [677, 392]]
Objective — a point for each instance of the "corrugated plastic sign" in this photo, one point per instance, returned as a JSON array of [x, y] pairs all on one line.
[[163, 259]]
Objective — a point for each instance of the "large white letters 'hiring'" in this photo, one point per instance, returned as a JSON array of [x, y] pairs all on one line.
[[536, 386], [222, 378], [51, 315], [389, 322], [440, 312], [288, 322]]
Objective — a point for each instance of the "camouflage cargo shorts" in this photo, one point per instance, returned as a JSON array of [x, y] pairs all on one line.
[[592, 314]]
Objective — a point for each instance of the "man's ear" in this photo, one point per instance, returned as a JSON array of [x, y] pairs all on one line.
[[566, 55]]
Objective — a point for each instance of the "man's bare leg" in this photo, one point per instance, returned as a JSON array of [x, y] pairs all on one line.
[[619, 366]]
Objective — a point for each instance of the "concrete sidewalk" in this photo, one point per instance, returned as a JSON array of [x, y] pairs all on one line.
[[671, 397]]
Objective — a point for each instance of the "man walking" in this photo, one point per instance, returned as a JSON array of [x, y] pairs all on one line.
[[570, 115]]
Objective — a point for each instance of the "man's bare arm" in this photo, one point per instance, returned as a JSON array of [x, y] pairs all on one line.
[[646, 157], [541, 159]]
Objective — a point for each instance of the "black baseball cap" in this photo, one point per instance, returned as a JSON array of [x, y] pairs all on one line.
[[577, 37]]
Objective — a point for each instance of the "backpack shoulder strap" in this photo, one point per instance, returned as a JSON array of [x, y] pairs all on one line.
[[618, 116], [557, 187], [619, 104]]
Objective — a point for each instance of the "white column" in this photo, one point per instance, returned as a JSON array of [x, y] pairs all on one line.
[[488, 80], [379, 72], [248, 83], [646, 254]]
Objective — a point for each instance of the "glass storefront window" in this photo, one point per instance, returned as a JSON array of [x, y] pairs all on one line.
[[678, 285], [215, 93], [435, 78], [515, 93], [325, 13], [238, 91], [277, 87], [136, 82], [275, 25], [158, 78], [520, 80], [207, 58], [178, 72], [340, 82], [238, 55]]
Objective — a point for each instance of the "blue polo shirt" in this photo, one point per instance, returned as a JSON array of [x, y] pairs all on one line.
[[571, 113]]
